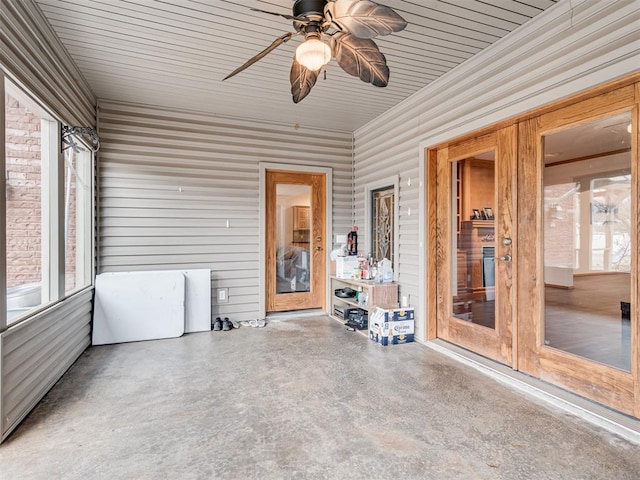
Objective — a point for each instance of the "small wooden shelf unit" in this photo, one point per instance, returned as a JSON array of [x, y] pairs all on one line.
[[383, 295]]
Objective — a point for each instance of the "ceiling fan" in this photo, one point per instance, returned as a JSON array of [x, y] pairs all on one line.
[[349, 27]]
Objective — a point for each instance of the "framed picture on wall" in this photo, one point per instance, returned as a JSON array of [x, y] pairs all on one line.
[[476, 214]]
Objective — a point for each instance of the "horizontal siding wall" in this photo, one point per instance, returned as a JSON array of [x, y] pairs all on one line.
[[35, 353], [569, 48], [170, 181]]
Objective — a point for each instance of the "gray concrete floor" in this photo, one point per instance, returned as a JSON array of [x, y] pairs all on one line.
[[300, 398]]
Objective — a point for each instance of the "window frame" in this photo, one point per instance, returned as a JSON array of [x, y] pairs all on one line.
[[53, 242], [84, 218]]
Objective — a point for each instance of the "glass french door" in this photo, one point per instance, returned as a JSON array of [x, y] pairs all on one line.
[[534, 259], [578, 223], [475, 243], [294, 240]]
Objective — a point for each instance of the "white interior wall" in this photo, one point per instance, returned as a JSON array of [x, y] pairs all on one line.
[[569, 48]]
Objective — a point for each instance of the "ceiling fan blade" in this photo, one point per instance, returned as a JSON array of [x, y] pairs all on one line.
[[361, 58], [364, 18], [302, 80], [277, 42], [288, 17]]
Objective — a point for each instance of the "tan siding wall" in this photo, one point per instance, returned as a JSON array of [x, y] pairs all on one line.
[[169, 182], [565, 50], [36, 353]]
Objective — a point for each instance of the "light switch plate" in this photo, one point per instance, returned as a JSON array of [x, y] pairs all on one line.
[[222, 295]]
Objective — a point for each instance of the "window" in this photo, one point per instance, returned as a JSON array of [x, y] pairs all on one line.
[[25, 148], [381, 216], [382, 222], [48, 209], [77, 218], [610, 223]]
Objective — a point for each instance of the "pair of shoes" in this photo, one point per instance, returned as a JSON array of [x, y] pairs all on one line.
[[254, 323], [224, 325]]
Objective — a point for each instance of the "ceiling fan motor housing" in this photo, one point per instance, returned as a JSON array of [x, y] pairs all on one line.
[[305, 8]]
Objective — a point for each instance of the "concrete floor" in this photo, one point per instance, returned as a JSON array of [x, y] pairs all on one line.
[[301, 398]]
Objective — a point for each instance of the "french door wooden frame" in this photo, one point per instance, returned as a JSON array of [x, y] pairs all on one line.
[[495, 343], [602, 383], [519, 341], [315, 297]]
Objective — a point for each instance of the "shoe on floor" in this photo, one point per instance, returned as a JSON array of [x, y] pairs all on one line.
[[254, 323], [217, 325], [227, 325]]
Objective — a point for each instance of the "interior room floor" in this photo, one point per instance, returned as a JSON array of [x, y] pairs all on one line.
[[584, 320], [299, 398], [587, 321]]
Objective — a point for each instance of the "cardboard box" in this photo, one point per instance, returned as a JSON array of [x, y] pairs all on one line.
[[392, 333], [401, 331], [345, 266], [379, 332], [399, 314], [392, 326]]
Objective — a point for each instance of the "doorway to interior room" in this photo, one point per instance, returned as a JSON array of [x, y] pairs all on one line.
[[534, 230], [295, 231]]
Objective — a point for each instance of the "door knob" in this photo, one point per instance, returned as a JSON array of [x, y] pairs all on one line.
[[506, 241], [318, 249], [506, 258], [318, 239]]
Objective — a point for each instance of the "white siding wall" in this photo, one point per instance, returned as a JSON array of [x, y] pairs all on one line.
[[36, 353], [169, 182], [569, 48]]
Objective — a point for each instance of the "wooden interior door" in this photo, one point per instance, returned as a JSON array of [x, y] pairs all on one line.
[[474, 257], [295, 240], [589, 348]]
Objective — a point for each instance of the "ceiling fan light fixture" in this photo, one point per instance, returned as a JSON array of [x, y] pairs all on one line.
[[349, 26], [313, 53]]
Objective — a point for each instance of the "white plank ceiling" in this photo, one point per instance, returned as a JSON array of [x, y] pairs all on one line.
[[175, 53]]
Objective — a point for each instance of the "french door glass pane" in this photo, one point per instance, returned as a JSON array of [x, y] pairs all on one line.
[[293, 232], [587, 240], [473, 237]]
